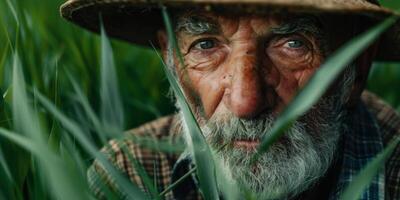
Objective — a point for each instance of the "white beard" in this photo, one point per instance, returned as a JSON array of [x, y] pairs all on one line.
[[290, 166]]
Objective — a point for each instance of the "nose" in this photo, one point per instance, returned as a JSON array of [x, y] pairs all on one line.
[[246, 96]]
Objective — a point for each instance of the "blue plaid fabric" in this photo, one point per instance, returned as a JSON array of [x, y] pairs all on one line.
[[360, 145]]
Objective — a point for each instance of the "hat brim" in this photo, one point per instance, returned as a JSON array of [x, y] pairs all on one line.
[[138, 21]]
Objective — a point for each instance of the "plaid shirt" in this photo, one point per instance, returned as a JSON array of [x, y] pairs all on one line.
[[374, 125]]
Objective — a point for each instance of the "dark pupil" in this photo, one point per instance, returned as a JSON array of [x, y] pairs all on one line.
[[295, 44], [208, 44]]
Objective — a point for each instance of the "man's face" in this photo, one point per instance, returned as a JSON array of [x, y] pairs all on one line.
[[239, 72], [248, 64]]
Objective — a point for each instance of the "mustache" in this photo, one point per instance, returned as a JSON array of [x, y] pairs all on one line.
[[231, 130], [227, 128], [231, 127]]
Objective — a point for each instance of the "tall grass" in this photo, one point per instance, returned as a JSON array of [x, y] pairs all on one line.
[[51, 53], [60, 103]]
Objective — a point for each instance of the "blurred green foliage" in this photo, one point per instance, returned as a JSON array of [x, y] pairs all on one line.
[[384, 79], [50, 48], [393, 4]]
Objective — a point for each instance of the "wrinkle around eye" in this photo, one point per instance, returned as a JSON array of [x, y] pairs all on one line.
[[295, 53], [205, 61], [281, 42], [285, 58], [295, 61]]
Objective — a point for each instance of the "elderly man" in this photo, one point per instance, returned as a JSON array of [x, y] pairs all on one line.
[[244, 61]]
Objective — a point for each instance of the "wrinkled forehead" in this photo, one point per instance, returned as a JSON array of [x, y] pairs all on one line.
[[202, 22], [335, 28]]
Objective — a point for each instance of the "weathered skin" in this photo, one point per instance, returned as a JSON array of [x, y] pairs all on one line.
[[246, 69]]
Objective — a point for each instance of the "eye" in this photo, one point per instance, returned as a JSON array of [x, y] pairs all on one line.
[[295, 44], [204, 44]]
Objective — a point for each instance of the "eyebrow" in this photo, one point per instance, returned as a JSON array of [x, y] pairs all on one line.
[[310, 25], [306, 24], [197, 25]]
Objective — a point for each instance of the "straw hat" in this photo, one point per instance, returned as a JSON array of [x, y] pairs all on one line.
[[137, 21]]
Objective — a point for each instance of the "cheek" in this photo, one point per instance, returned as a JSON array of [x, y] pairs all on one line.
[[287, 75], [204, 73], [292, 60], [205, 61], [208, 88]]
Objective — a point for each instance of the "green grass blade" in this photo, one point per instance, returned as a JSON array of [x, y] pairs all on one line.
[[171, 34], [146, 142], [131, 190], [27, 144], [201, 151], [5, 167], [111, 105], [23, 119], [321, 80], [88, 110], [185, 176], [54, 136], [64, 185], [13, 11], [59, 175], [142, 173], [3, 58], [356, 188], [159, 145], [196, 141], [179, 181]]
